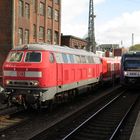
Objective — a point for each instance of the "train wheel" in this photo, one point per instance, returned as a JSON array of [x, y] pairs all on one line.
[[38, 104], [71, 95], [9, 101], [24, 104], [50, 105], [66, 96]]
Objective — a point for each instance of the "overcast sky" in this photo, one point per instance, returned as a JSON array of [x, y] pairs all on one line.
[[115, 20]]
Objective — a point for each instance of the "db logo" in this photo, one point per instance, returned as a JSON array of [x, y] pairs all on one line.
[[20, 73]]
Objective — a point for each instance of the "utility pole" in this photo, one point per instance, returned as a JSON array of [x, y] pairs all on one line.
[[91, 35], [132, 39]]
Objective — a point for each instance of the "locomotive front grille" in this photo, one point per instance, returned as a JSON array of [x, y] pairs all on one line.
[[22, 83]]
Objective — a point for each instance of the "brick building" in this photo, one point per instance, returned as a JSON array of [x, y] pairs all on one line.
[[108, 47], [28, 21], [73, 42]]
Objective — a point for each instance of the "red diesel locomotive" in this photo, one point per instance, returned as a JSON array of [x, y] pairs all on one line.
[[37, 74]]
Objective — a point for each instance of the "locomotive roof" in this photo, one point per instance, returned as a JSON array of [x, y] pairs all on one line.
[[54, 48]]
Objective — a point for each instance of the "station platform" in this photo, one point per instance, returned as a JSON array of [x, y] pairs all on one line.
[[136, 130]]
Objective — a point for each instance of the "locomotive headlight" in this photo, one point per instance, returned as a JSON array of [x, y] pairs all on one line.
[[7, 82], [125, 73], [35, 83]]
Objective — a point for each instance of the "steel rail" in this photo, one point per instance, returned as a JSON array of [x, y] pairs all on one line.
[[121, 122], [96, 113]]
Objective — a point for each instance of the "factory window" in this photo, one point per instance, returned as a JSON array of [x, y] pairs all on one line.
[[42, 9], [20, 8], [27, 10], [26, 36], [56, 37], [49, 12], [20, 36], [49, 35], [34, 5], [41, 32], [56, 15], [34, 31], [56, 1]]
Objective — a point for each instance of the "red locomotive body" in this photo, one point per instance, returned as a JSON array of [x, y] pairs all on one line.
[[111, 69], [38, 73]]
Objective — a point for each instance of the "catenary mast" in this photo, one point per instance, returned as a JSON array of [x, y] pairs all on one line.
[[91, 35]]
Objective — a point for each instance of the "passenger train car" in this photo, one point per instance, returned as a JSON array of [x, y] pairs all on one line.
[[40, 73], [130, 69], [111, 69]]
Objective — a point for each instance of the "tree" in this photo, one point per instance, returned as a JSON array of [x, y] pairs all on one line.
[[135, 47]]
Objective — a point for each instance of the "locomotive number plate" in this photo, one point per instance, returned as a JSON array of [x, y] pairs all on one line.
[[20, 73], [134, 74]]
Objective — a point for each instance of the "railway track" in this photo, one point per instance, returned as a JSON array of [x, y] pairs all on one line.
[[72, 125], [105, 123], [36, 123], [101, 122], [8, 117]]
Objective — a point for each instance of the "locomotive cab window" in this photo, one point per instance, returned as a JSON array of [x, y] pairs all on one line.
[[15, 57], [132, 63], [33, 57]]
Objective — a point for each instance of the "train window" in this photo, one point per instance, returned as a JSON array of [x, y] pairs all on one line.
[[33, 57], [65, 59], [15, 57], [74, 57], [71, 58], [132, 63], [87, 59], [78, 60], [97, 60], [58, 57], [90, 60], [83, 59], [51, 58]]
